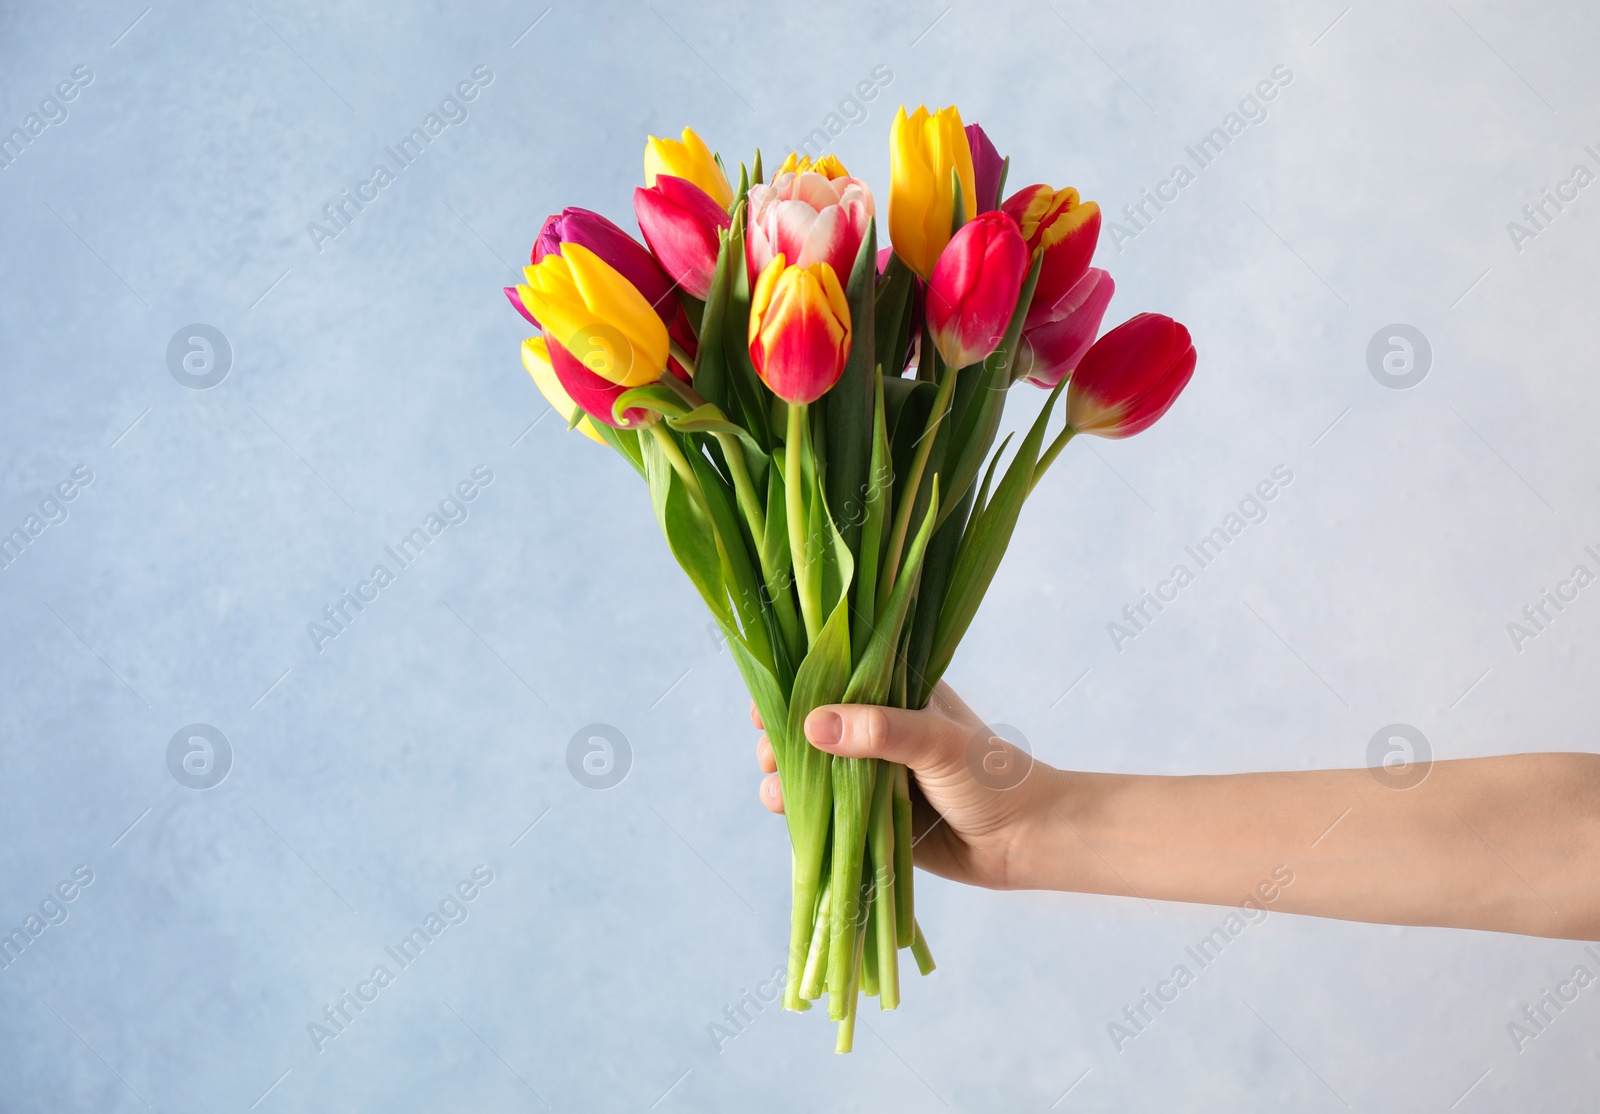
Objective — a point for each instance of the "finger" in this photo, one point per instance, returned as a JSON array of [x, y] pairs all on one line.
[[764, 756], [772, 793], [922, 740], [755, 717]]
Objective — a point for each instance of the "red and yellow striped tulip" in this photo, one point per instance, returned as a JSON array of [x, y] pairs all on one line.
[[536, 358], [799, 329], [689, 159], [1066, 229], [1130, 377], [591, 311], [973, 290], [924, 149], [681, 223]]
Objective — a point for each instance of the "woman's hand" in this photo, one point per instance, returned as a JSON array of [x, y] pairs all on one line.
[[979, 803]]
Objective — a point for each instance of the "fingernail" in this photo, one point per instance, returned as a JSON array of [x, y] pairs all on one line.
[[824, 729]]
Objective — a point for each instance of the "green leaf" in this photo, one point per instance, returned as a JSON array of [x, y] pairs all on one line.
[[625, 441], [739, 574], [847, 407], [658, 397], [869, 684], [879, 486], [753, 400], [711, 361], [688, 532], [984, 544], [891, 319]]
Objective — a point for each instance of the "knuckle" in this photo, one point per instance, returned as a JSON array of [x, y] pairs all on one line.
[[871, 729]]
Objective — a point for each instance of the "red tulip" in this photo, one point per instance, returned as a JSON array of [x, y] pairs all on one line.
[[680, 222], [1130, 377], [1051, 351], [987, 166], [1066, 229], [631, 259], [973, 290]]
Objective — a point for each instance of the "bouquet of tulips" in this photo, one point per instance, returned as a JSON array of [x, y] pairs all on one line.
[[814, 419]]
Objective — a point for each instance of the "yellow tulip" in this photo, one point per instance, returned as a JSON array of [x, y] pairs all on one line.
[[691, 160], [587, 307], [923, 149], [536, 358], [828, 166]]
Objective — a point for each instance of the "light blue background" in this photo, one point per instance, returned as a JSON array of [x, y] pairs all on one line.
[[373, 375]]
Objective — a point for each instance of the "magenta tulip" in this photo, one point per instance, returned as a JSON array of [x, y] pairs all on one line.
[[973, 290], [1130, 377], [987, 168], [631, 259], [681, 223], [1051, 351]]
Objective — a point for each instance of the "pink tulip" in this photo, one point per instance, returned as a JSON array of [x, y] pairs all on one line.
[[1051, 351], [680, 222], [973, 290], [631, 259], [807, 218], [1130, 377], [987, 166]]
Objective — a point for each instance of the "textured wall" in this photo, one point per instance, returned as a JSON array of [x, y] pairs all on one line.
[[372, 370]]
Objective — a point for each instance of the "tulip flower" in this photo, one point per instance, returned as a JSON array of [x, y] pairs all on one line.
[[1065, 229], [828, 166], [923, 151], [1051, 351], [987, 169], [690, 160], [1130, 377], [536, 358], [799, 329], [680, 222], [808, 217], [590, 310], [973, 290], [619, 250]]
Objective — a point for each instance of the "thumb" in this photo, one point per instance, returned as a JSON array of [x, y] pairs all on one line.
[[922, 740]]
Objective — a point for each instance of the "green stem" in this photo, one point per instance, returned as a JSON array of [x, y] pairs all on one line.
[[799, 542], [1050, 454], [755, 514], [880, 839], [680, 465], [677, 353], [906, 500], [811, 982], [920, 952]]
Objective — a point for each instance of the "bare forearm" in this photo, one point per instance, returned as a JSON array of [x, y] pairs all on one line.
[[1507, 844]]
